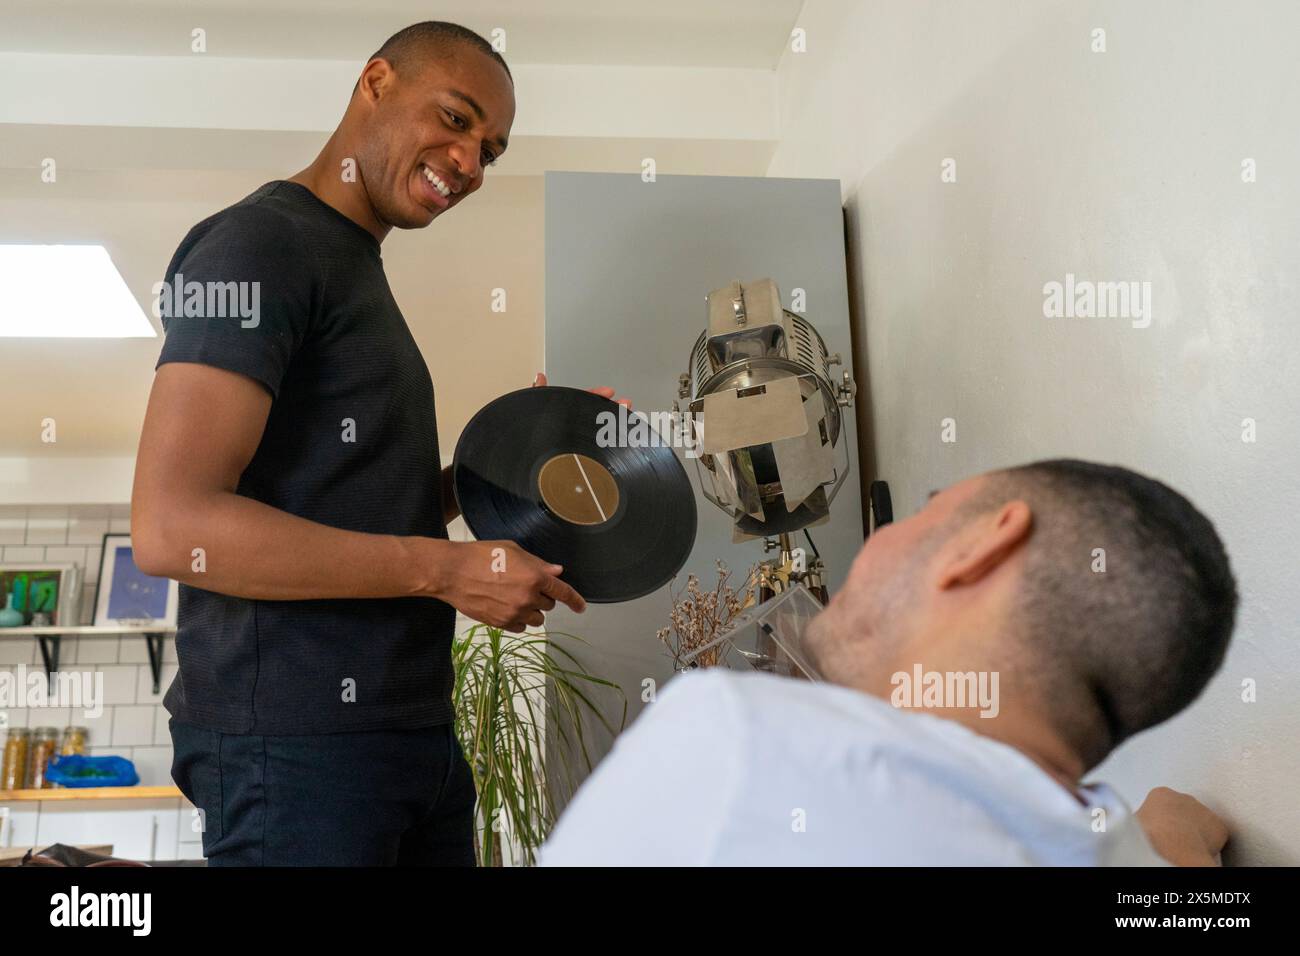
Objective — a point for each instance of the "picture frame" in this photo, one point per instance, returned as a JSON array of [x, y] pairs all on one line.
[[125, 595], [50, 587]]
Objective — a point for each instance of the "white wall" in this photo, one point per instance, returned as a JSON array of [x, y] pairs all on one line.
[[1122, 165]]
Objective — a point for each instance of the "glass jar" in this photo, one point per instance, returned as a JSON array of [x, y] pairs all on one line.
[[44, 748], [13, 774], [74, 741]]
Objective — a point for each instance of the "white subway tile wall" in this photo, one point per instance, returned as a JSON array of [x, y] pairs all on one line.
[[133, 723]]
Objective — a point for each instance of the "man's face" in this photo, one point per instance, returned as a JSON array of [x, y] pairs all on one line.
[[887, 591], [431, 132]]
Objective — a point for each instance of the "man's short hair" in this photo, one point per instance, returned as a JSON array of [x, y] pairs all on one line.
[[415, 45], [1143, 636]]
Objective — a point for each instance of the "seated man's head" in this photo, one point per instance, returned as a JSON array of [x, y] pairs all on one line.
[[1103, 600]]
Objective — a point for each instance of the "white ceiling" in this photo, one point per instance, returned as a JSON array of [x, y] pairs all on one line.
[[732, 33]]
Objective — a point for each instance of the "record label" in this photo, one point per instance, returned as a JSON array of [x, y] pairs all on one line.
[[578, 489]]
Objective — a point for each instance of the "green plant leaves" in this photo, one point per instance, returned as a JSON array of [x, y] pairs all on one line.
[[508, 690]]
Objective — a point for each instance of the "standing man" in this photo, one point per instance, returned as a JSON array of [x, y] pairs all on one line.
[[289, 477]]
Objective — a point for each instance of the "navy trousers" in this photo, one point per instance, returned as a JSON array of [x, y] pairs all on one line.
[[370, 798]]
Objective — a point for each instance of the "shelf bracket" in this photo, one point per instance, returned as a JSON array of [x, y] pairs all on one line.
[[154, 643], [49, 644]]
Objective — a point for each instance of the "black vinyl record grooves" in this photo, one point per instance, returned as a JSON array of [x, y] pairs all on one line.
[[528, 469]]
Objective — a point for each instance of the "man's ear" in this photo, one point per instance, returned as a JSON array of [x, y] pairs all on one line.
[[375, 79], [984, 544]]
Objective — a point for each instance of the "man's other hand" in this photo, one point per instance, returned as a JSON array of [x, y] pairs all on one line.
[[1182, 829], [604, 391]]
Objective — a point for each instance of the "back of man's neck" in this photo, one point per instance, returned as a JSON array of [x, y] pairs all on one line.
[[1021, 726]]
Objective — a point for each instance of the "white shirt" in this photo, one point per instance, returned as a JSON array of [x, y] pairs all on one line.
[[736, 769]]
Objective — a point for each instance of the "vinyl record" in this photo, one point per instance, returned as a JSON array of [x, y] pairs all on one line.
[[528, 469]]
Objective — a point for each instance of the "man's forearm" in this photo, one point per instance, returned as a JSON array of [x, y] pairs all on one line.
[[234, 545]]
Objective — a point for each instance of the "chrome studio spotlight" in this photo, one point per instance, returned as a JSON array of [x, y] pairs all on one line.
[[766, 413]]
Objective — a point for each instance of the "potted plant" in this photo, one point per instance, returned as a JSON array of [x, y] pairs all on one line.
[[509, 688]]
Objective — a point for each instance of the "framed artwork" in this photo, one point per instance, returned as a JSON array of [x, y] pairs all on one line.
[[32, 587], [125, 595]]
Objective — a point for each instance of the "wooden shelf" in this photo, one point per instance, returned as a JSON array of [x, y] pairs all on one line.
[[90, 793]]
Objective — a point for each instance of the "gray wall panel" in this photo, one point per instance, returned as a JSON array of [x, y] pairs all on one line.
[[628, 265]]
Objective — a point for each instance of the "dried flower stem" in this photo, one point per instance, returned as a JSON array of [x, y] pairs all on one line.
[[699, 616]]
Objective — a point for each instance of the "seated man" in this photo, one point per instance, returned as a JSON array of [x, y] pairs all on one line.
[[1090, 601]]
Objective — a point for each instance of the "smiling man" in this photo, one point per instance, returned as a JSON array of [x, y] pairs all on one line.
[[289, 477]]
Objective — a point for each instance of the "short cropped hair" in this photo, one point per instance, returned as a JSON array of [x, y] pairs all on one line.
[[416, 44], [1127, 592]]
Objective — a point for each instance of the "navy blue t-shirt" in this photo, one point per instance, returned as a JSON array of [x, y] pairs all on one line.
[[351, 442]]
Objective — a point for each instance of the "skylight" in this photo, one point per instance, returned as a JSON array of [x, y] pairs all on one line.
[[66, 292]]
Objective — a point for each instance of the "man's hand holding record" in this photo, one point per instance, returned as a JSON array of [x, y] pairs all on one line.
[[501, 584]]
